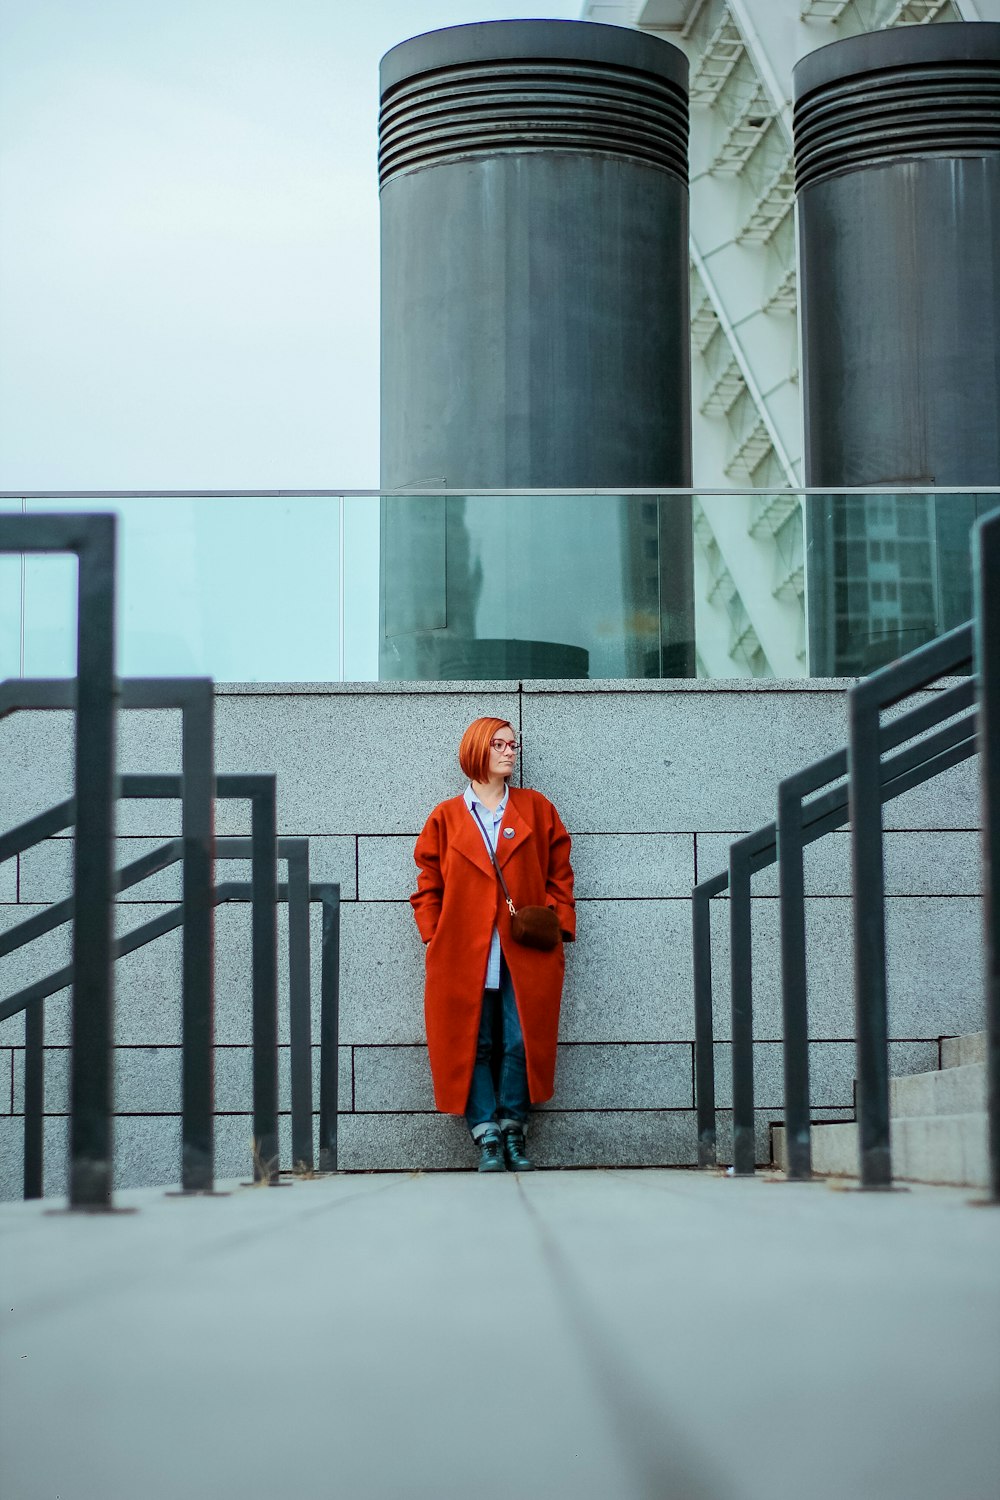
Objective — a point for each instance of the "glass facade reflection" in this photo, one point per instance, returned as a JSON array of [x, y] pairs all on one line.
[[887, 573], [510, 586], [286, 588]]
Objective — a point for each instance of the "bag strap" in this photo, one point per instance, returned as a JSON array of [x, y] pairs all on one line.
[[489, 847]]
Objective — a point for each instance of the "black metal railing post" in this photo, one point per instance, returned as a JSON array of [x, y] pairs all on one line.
[[34, 1101], [704, 1021], [298, 893], [329, 1025], [871, 1010], [794, 1006], [195, 697], [986, 573], [804, 823], [866, 793], [93, 538], [296, 852], [262, 791], [198, 834], [92, 1057], [741, 997]]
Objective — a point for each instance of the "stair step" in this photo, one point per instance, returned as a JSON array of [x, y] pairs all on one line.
[[946, 1149], [956, 1051], [957, 1090]]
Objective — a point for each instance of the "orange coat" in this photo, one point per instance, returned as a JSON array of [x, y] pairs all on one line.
[[457, 903]]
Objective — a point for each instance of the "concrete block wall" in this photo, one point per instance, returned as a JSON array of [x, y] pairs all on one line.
[[652, 779]]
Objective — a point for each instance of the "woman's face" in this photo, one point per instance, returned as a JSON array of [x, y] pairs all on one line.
[[503, 751]]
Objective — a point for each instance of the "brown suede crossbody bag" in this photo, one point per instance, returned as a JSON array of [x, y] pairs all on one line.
[[532, 926]]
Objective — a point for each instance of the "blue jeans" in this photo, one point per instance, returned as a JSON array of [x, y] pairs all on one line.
[[507, 1098]]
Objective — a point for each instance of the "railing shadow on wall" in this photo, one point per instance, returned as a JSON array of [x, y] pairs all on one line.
[[936, 734], [93, 697]]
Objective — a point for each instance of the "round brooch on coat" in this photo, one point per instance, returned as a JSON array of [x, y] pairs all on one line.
[[508, 833]]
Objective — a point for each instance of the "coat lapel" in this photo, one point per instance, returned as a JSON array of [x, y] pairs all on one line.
[[469, 841], [515, 820]]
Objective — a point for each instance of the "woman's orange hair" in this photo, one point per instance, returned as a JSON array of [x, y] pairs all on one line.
[[474, 751]]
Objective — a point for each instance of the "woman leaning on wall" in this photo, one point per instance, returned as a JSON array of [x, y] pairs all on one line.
[[494, 905]]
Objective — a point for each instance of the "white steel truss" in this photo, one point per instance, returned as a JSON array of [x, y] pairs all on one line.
[[771, 207], [750, 452], [742, 644], [915, 12], [745, 131], [749, 552], [726, 381], [822, 10], [785, 297], [703, 319], [719, 57], [771, 512]]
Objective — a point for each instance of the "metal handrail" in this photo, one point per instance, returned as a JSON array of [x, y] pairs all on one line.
[[194, 697], [298, 893], [985, 571], [821, 491], [865, 702], [261, 792], [31, 999], [800, 823], [197, 1165], [93, 540], [93, 697]]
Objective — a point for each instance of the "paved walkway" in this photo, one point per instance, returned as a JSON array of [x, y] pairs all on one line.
[[588, 1335]]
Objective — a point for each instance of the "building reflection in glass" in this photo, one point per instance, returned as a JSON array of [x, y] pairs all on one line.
[[536, 586], [885, 574]]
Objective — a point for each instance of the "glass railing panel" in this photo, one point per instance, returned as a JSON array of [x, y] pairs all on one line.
[[439, 586], [749, 585], [886, 573], [360, 585], [535, 586], [239, 588], [10, 604]]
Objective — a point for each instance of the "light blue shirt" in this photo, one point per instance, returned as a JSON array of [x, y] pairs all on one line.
[[490, 831]]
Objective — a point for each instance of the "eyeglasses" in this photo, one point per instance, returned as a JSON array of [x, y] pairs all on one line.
[[501, 745]]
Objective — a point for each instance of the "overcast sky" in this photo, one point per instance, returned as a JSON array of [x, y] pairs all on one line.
[[189, 238]]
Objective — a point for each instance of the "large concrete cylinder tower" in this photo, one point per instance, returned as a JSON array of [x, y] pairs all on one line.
[[897, 150], [535, 334]]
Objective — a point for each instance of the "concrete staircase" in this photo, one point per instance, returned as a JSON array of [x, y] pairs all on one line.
[[938, 1123]]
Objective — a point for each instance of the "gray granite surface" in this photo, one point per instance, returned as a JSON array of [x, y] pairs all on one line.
[[561, 1138], [934, 947], [381, 986], [610, 866], [705, 753], [386, 871], [605, 866], [46, 871], [146, 1147], [588, 1076], [832, 1068], [628, 975], [680, 765], [622, 1076], [347, 763], [917, 863], [763, 1120], [37, 764]]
